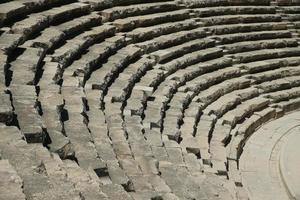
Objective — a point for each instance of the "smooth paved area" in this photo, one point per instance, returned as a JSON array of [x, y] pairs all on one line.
[[290, 163], [270, 161]]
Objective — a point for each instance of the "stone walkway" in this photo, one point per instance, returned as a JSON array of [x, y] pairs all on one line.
[[270, 163]]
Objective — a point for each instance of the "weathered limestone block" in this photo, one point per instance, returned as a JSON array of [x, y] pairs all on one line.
[[142, 34], [66, 11], [6, 110], [246, 108], [274, 85], [74, 46], [115, 191], [33, 23], [244, 28], [147, 20], [175, 156], [290, 105], [48, 38], [117, 62], [287, 2], [266, 54], [233, 10], [140, 9], [79, 24], [10, 184], [262, 35], [118, 176], [236, 19], [130, 167], [191, 58], [11, 9], [210, 3], [175, 51], [257, 45], [172, 39], [9, 42]]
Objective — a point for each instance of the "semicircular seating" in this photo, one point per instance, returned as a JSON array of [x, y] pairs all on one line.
[[142, 100]]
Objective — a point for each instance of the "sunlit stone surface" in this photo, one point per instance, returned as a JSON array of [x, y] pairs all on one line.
[[149, 100]]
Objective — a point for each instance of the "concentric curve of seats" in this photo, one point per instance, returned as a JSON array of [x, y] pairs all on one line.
[[140, 99]]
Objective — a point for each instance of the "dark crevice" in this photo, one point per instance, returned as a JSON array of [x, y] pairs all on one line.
[[128, 187], [8, 75], [195, 151], [157, 198], [14, 121], [227, 140], [71, 157], [15, 54], [47, 139], [39, 73], [101, 172], [64, 115], [211, 131]]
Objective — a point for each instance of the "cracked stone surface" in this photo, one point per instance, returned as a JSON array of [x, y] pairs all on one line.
[[149, 100]]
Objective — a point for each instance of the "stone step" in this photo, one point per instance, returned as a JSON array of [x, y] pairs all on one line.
[[172, 39], [130, 23], [95, 55], [26, 66], [207, 3], [121, 87], [266, 54], [232, 10], [118, 12], [164, 55], [26, 108], [236, 19], [10, 42], [290, 105], [240, 47], [246, 130], [190, 72], [54, 35], [283, 95], [293, 17], [223, 105], [243, 110], [274, 74], [31, 162], [15, 9], [290, 9], [147, 33], [84, 181], [102, 78], [287, 3], [244, 28], [53, 107], [191, 59], [216, 91], [65, 54], [270, 64], [208, 79], [261, 35], [279, 84], [11, 183], [39, 21]]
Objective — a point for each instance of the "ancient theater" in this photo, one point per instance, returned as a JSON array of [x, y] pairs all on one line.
[[150, 100]]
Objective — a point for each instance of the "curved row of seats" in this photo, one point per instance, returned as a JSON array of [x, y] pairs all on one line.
[[140, 99]]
